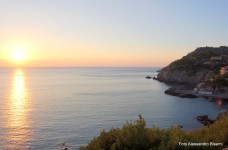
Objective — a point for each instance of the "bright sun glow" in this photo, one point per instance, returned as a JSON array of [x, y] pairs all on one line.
[[18, 55]]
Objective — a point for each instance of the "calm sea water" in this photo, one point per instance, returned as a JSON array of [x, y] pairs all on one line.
[[43, 108]]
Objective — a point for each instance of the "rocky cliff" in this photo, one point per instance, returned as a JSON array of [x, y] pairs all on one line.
[[168, 74], [198, 66]]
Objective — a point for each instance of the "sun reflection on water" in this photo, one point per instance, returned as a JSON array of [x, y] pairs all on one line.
[[18, 110]]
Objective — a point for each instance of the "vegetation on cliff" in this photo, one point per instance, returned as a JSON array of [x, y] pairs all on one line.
[[203, 58], [219, 80], [197, 66], [135, 135]]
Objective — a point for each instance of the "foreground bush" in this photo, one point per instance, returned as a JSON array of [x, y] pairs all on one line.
[[135, 136]]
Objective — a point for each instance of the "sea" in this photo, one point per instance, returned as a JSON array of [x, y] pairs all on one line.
[[51, 108]]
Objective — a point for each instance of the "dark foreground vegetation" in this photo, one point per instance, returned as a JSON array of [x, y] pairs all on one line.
[[134, 135]]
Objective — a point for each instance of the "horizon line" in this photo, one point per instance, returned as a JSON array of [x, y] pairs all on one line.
[[88, 67]]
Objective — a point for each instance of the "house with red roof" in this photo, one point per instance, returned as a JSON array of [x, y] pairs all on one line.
[[224, 70]]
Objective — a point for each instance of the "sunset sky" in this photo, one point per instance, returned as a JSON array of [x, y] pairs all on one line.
[[57, 33]]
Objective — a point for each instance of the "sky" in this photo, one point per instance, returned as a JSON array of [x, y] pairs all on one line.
[[113, 33]]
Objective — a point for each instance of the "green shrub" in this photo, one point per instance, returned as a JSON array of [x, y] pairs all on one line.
[[220, 80], [135, 136]]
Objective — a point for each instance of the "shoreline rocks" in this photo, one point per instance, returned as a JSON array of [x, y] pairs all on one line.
[[204, 89], [206, 121], [222, 114], [184, 93]]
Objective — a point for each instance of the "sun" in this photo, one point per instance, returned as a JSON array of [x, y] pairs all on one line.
[[18, 55]]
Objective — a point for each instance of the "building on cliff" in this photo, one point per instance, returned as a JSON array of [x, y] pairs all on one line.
[[224, 70], [208, 63], [216, 58]]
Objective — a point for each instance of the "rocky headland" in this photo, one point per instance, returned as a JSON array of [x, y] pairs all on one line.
[[203, 72]]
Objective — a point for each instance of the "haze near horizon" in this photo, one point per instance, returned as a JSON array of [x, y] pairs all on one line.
[[68, 33]]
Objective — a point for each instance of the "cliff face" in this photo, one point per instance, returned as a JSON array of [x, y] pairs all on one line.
[[183, 76], [209, 87], [198, 66]]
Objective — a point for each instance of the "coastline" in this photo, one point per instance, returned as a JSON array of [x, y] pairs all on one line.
[[189, 91], [186, 92], [205, 69]]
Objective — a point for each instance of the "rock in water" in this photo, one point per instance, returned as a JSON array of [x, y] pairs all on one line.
[[148, 77], [222, 114], [201, 118], [205, 120]]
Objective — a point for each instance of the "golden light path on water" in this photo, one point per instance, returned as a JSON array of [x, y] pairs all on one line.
[[18, 107]]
